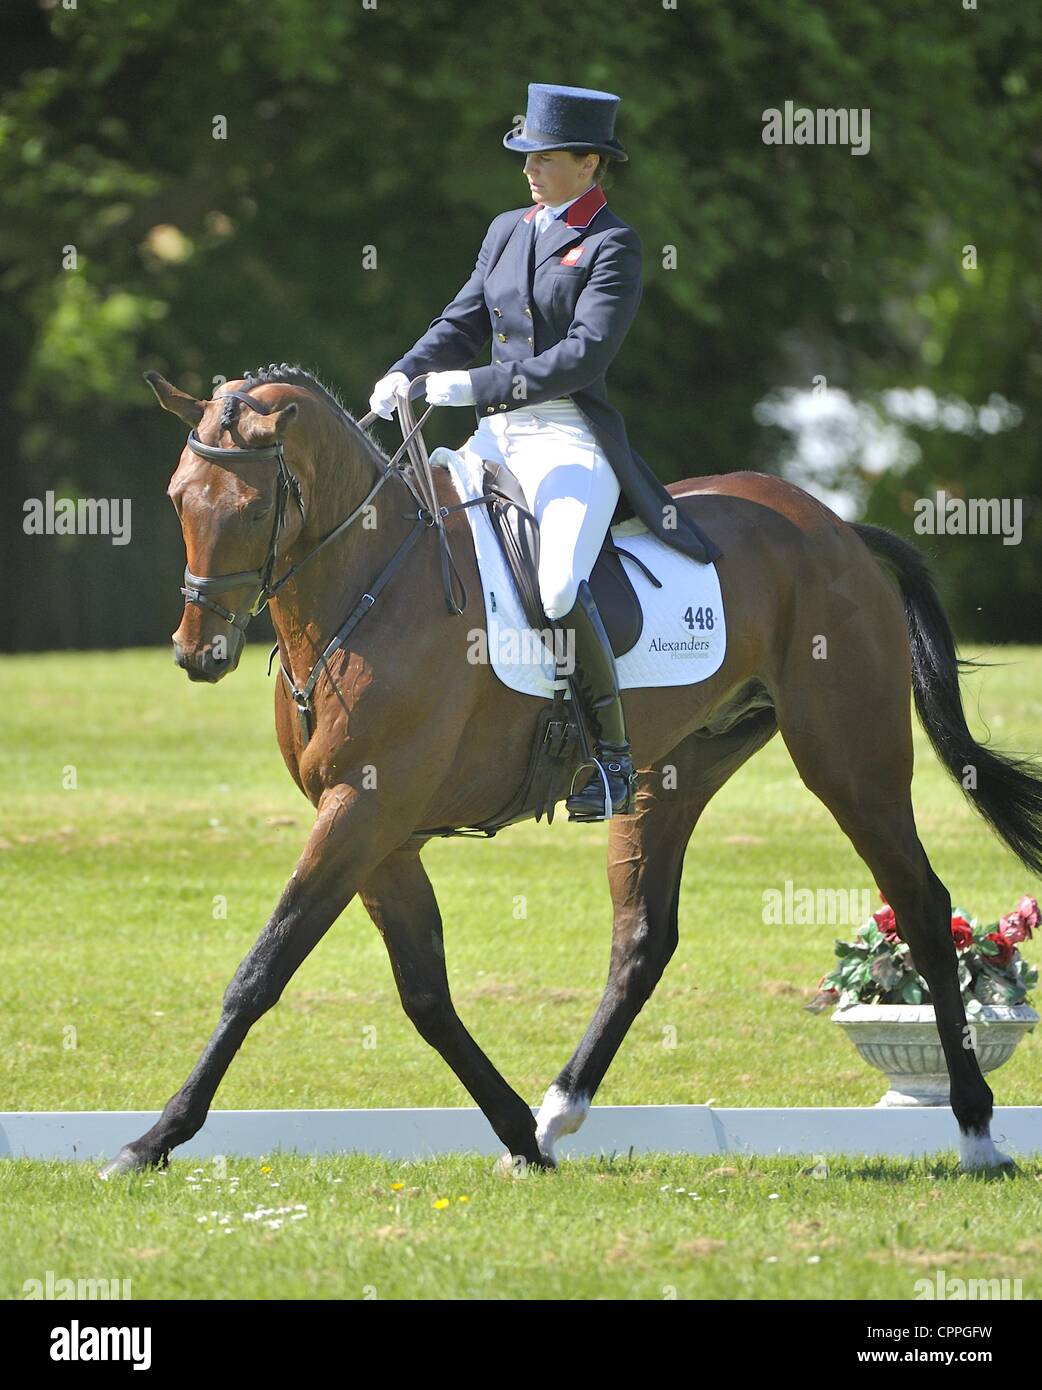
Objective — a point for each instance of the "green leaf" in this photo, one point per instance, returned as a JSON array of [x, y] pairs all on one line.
[[911, 992]]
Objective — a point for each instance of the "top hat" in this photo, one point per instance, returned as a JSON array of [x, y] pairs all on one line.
[[568, 118]]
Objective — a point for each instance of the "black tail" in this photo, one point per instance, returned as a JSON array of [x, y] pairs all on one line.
[[1006, 790]]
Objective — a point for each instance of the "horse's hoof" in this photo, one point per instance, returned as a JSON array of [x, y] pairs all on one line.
[[1004, 1169], [1000, 1167], [126, 1161], [509, 1165], [978, 1154], [516, 1165]]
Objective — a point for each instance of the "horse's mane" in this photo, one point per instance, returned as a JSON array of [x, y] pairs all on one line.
[[276, 373]]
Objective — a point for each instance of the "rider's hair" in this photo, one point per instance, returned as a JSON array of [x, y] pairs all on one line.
[[601, 174]]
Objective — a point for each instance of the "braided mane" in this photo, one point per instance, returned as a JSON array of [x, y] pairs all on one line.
[[281, 373]]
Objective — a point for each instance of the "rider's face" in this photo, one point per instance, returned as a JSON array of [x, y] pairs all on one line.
[[555, 176]]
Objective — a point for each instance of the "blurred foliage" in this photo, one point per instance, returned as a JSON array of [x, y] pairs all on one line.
[[132, 238]]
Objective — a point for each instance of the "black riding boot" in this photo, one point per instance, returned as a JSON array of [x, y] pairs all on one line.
[[595, 680]]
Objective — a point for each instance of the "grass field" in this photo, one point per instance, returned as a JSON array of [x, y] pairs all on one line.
[[356, 1228], [131, 898]]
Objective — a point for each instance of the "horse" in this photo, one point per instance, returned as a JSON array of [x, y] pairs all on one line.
[[831, 626]]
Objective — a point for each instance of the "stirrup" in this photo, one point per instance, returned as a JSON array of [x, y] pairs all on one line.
[[594, 801]]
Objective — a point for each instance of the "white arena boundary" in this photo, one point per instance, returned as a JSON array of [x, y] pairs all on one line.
[[424, 1133]]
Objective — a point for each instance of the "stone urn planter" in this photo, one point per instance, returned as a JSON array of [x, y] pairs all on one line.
[[902, 1041]]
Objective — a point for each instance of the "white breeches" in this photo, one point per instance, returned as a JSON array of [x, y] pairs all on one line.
[[569, 485]]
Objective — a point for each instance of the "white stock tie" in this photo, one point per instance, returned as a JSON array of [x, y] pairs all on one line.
[[542, 219]]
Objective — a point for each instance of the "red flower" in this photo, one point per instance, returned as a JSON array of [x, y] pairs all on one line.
[[962, 933], [1013, 930], [887, 923], [1005, 950], [1027, 911]]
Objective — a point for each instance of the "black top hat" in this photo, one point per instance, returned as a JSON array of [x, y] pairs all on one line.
[[568, 118]]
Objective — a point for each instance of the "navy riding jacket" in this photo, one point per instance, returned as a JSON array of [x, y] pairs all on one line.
[[557, 307]]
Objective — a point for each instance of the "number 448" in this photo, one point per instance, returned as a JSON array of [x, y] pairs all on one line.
[[702, 618]]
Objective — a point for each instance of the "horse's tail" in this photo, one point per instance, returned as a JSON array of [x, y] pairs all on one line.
[[1006, 790]]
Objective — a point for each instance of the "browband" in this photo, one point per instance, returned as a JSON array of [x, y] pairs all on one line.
[[219, 455]]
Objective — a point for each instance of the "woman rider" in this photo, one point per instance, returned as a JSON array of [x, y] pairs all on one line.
[[558, 285]]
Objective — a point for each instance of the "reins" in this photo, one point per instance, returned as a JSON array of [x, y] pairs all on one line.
[[428, 514]]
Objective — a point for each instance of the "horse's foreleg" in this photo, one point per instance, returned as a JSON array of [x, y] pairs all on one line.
[[645, 863], [399, 898], [345, 841]]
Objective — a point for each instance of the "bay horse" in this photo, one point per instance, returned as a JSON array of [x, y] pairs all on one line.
[[831, 626]]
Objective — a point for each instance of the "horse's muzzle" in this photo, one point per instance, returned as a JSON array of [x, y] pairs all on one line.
[[206, 664]]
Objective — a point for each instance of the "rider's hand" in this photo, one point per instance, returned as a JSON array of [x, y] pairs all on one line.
[[384, 400], [449, 388]]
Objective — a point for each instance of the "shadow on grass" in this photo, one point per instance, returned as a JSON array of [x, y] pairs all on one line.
[[859, 1167]]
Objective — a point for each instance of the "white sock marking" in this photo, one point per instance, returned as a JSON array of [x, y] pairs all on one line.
[[559, 1114]]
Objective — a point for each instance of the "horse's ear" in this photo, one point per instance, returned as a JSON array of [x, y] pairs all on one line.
[[179, 403], [267, 429]]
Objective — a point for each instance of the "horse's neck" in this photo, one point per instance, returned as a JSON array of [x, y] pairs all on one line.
[[314, 604]]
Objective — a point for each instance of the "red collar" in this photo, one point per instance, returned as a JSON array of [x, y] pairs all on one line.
[[582, 211]]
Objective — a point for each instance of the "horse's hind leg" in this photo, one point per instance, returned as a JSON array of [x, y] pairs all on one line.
[[885, 837], [849, 733], [645, 862]]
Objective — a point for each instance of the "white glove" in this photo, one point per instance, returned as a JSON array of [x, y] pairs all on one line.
[[449, 388], [383, 401]]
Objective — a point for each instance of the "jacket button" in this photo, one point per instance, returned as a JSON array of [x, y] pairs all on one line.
[[498, 313], [491, 410], [529, 342], [528, 311], [503, 407], [502, 337]]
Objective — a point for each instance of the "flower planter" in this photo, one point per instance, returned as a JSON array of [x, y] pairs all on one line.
[[902, 1041]]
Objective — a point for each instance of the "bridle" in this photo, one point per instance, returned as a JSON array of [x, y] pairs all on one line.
[[427, 514], [198, 588]]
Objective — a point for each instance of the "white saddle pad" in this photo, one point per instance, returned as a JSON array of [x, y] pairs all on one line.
[[684, 637]]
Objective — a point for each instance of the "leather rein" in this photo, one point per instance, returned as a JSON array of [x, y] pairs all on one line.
[[198, 589]]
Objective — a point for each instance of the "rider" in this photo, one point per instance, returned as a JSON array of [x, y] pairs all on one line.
[[557, 285]]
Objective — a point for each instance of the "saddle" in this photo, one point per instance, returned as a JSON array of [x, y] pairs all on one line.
[[517, 532], [560, 743]]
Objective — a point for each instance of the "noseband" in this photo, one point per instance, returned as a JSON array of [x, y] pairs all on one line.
[[198, 588]]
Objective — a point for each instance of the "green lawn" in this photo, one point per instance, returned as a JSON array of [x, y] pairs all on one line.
[[114, 962], [356, 1228]]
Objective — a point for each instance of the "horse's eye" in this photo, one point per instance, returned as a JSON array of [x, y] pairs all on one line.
[[257, 511]]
